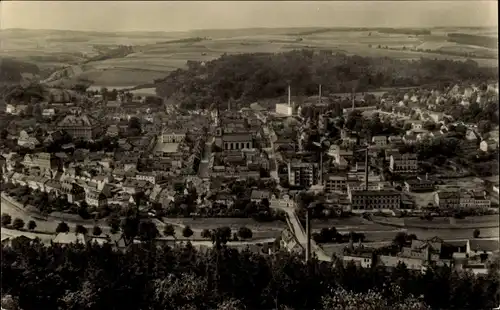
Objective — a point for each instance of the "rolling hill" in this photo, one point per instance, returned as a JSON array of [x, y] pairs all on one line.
[[153, 55]]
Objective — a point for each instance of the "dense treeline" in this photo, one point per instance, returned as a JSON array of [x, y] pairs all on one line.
[[11, 70], [148, 277], [351, 29], [472, 39], [247, 78]]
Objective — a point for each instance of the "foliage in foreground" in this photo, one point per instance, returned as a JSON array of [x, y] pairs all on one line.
[[148, 277]]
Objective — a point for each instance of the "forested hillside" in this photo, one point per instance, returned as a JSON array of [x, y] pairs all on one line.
[[181, 278], [11, 70], [247, 78]]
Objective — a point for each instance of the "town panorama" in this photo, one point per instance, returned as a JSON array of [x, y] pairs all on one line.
[[250, 168]]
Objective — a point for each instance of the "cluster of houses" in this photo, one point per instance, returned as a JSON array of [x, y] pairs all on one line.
[[472, 255]]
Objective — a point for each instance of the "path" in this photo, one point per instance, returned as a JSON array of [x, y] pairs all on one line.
[[12, 233]]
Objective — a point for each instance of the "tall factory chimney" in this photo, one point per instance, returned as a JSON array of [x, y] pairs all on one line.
[[289, 96], [319, 96], [366, 168], [353, 98]]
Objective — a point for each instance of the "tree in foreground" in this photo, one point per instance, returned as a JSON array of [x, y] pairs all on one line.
[[349, 300], [6, 219], [187, 232], [31, 225], [18, 223], [221, 236], [114, 223], [62, 227], [96, 231], [225, 278], [80, 229], [148, 231]]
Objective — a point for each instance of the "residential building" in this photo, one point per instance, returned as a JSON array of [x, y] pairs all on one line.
[[488, 145], [395, 139], [289, 242], [349, 141], [258, 195], [95, 198], [403, 163], [41, 160], [467, 200], [447, 199], [335, 183], [27, 139], [113, 131], [380, 141], [73, 191], [15, 109], [48, 113], [419, 185], [362, 109], [80, 126], [302, 174], [150, 177], [363, 260], [363, 201], [172, 136], [417, 124], [410, 139], [284, 109]]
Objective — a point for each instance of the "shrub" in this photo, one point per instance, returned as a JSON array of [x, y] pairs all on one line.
[[31, 225], [205, 233], [187, 232], [6, 219], [169, 230], [476, 233], [62, 227], [245, 233], [97, 231], [18, 223], [80, 229]]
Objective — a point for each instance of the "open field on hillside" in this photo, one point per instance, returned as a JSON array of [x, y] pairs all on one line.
[[156, 54]]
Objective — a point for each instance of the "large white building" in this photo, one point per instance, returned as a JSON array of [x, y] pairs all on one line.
[[285, 108]]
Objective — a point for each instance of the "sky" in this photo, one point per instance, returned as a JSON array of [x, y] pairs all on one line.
[[188, 15]]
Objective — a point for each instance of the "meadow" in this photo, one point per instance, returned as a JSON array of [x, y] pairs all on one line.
[[156, 54]]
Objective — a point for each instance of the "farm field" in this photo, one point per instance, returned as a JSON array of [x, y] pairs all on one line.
[[156, 54]]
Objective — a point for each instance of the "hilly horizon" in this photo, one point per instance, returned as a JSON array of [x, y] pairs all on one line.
[[132, 58]]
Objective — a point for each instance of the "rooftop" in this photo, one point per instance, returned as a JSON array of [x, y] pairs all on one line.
[[77, 120]]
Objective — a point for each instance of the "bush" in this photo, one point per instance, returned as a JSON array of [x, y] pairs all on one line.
[[187, 232], [80, 229], [97, 231], [169, 230], [62, 227], [31, 225], [245, 233], [18, 223], [476, 233], [6, 219], [205, 233]]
